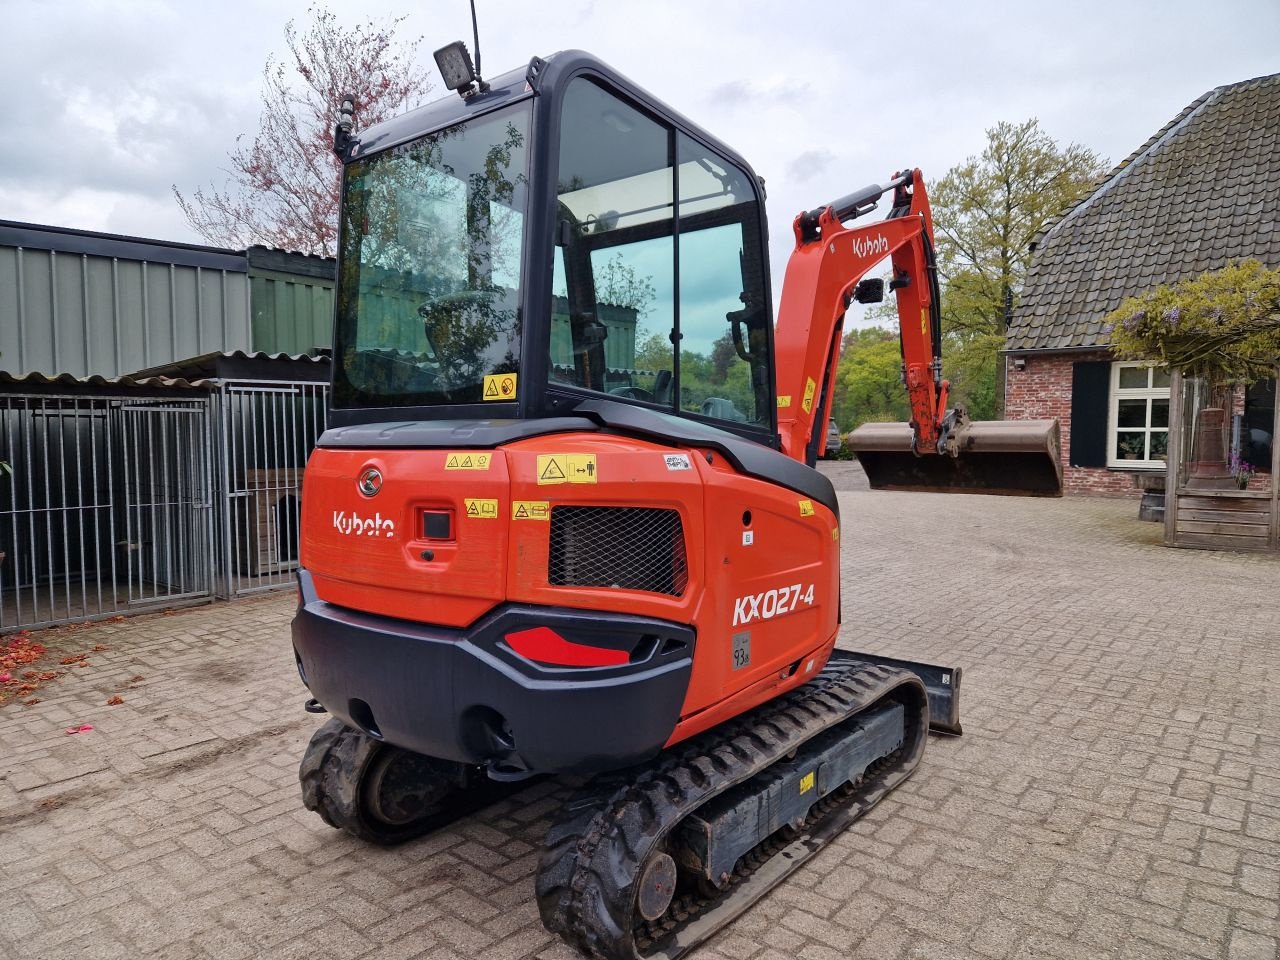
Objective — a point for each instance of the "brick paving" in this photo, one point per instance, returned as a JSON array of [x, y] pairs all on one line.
[[1116, 793]]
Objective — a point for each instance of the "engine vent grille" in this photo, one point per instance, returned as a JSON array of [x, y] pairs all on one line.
[[634, 548]]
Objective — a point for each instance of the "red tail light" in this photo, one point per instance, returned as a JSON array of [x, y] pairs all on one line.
[[544, 645]]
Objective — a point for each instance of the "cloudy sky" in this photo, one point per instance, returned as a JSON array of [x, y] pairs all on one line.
[[108, 103]]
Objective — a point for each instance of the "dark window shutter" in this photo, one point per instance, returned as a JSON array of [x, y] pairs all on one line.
[[1090, 396]]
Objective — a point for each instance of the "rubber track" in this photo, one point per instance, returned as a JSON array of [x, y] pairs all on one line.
[[586, 881], [331, 774]]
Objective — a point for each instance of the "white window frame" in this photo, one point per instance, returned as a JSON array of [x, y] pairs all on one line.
[[1132, 393]]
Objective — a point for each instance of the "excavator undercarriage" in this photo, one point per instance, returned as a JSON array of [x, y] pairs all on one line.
[[654, 859]]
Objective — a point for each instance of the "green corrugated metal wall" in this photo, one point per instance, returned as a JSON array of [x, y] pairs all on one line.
[[290, 314], [84, 303]]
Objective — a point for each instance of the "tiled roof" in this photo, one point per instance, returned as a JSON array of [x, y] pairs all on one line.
[[1204, 190]]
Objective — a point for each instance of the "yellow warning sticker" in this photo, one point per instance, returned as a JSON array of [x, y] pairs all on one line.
[[468, 461], [567, 468], [835, 533], [499, 386], [784, 400], [530, 510], [808, 781], [810, 388], [924, 321], [482, 509], [806, 508]]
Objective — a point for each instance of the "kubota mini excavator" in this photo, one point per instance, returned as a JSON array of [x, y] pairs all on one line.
[[565, 516]]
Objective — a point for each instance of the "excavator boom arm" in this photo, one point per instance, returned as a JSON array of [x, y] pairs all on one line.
[[824, 271]]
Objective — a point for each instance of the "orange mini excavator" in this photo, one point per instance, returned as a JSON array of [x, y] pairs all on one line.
[[565, 516]]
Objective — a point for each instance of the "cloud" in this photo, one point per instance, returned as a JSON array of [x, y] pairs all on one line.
[[810, 164], [108, 103], [756, 93]]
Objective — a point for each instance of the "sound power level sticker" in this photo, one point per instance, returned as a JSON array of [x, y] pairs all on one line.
[[481, 509], [741, 649]]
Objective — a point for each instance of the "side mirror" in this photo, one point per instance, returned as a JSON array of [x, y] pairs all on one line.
[[870, 290]]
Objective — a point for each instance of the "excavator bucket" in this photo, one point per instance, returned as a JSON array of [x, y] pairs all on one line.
[[1008, 457]]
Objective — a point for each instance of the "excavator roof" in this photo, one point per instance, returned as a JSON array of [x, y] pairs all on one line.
[[540, 75]]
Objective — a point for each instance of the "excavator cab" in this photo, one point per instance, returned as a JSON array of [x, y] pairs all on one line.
[[556, 238]]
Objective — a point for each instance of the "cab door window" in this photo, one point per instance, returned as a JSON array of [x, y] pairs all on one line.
[[655, 300], [613, 306], [724, 317]]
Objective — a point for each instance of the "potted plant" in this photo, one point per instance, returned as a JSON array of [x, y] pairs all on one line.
[[1242, 471], [1132, 447]]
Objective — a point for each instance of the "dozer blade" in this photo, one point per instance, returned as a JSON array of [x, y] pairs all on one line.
[[1007, 457]]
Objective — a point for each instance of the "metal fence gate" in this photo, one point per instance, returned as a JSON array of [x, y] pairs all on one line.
[[108, 507], [267, 429]]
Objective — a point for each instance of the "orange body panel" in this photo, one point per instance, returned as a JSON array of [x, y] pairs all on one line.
[[762, 560]]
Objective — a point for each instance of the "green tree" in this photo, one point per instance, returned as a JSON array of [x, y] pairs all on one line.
[[869, 379], [986, 212]]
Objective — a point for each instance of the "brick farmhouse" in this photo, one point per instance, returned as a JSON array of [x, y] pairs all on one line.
[[1203, 191]]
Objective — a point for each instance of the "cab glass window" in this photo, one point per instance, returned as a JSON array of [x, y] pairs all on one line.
[[724, 317], [613, 305], [656, 300], [429, 276]]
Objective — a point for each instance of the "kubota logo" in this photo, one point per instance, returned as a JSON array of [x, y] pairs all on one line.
[[870, 246], [353, 525]]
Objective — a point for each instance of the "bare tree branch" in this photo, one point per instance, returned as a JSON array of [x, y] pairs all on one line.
[[282, 190]]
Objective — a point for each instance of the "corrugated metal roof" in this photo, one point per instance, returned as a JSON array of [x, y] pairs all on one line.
[[1204, 190], [292, 262], [233, 363], [85, 383]]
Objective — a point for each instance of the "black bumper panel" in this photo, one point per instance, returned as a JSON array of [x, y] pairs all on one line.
[[465, 695]]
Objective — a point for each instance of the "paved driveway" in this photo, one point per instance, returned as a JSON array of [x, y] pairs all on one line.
[[1116, 793]]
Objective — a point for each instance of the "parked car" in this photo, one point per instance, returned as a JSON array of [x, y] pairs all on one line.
[[833, 438]]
